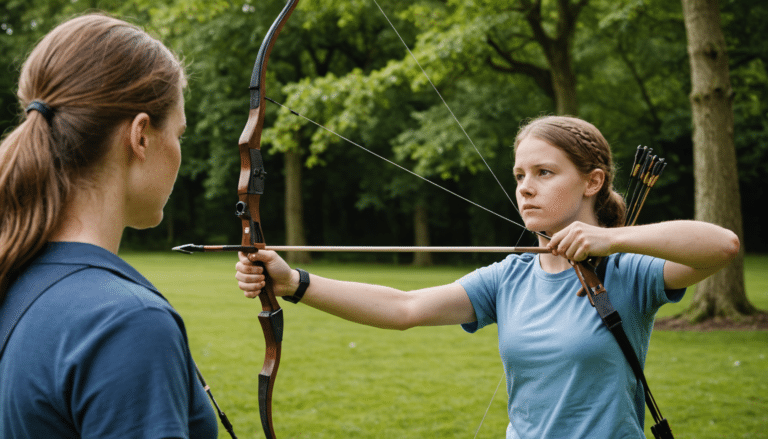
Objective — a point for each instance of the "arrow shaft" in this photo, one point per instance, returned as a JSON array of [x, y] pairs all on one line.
[[190, 248]]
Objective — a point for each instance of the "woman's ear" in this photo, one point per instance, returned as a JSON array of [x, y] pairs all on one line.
[[595, 180], [139, 135]]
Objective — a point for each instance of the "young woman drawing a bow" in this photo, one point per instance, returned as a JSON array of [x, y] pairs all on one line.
[[566, 376]]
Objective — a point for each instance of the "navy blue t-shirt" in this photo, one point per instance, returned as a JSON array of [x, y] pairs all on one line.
[[101, 354]]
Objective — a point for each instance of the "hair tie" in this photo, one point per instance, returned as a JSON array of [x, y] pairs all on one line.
[[41, 108]]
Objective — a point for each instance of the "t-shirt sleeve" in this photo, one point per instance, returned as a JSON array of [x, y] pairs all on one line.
[[645, 274], [482, 286], [130, 378]]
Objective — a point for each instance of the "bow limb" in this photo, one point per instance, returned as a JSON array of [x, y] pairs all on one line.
[[249, 189]]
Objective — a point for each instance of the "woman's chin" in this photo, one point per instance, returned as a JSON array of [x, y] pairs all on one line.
[[535, 226], [147, 222]]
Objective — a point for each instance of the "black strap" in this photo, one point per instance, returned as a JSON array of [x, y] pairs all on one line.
[[303, 285], [612, 320]]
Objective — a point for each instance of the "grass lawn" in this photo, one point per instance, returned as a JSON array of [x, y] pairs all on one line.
[[338, 379]]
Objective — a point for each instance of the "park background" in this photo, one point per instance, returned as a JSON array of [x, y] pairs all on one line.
[[624, 66]]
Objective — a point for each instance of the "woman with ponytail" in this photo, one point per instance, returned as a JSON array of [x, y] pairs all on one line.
[[566, 375], [89, 347]]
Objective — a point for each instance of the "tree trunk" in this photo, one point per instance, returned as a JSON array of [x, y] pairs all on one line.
[[421, 233], [294, 208], [563, 79], [554, 34], [717, 198]]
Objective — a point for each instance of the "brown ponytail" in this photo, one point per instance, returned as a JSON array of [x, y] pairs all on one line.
[[588, 150], [93, 72]]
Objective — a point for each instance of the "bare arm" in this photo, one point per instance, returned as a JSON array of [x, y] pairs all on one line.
[[694, 250], [373, 305]]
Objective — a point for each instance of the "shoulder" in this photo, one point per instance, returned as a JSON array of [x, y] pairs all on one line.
[[94, 293], [87, 291], [110, 329], [633, 264], [500, 275], [89, 275], [93, 304], [509, 266], [640, 278], [513, 262], [98, 285], [98, 323], [90, 293]]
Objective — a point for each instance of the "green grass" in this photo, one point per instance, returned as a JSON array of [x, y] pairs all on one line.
[[339, 379]]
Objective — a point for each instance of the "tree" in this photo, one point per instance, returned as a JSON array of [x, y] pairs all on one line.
[[717, 197], [557, 80]]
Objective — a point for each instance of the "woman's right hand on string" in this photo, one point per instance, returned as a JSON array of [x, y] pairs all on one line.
[[251, 277]]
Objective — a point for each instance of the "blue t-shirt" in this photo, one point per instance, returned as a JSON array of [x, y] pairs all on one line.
[[566, 375], [101, 354]]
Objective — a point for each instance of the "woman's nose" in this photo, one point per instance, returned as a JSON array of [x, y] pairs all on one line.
[[524, 187]]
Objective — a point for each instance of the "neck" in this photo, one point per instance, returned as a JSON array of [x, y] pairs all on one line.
[[92, 217], [555, 264], [551, 263]]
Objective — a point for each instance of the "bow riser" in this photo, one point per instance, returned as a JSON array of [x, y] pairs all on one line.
[[251, 183]]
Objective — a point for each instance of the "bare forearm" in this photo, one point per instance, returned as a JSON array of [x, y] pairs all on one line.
[[390, 308], [696, 244], [372, 305]]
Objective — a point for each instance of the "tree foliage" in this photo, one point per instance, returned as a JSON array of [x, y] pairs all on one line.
[[343, 66]]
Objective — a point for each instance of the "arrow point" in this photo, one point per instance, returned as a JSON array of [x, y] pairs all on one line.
[[188, 248]]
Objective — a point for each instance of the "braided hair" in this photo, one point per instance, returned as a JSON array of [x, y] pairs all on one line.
[[588, 150]]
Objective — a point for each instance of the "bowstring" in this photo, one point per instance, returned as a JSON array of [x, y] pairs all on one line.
[[471, 142], [490, 403], [447, 106], [352, 142], [456, 119], [453, 115], [481, 157], [296, 113]]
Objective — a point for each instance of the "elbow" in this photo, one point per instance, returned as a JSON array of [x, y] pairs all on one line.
[[399, 325], [408, 314], [403, 327], [728, 249], [407, 320], [731, 247]]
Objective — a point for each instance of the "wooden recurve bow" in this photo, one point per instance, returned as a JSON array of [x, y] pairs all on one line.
[[249, 190]]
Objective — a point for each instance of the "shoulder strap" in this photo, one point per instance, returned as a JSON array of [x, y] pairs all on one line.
[[601, 265], [598, 296], [25, 291]]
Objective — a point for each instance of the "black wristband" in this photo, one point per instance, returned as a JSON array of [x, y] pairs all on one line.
[[303, 284]]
